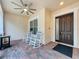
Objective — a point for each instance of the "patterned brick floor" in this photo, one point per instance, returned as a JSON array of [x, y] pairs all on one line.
[[21, 50]]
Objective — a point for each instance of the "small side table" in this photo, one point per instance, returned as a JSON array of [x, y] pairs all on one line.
[[4, 42]]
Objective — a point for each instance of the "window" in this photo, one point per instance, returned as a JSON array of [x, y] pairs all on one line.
[[34, 26]]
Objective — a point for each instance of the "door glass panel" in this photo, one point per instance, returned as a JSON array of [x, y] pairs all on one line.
[[57, 28]]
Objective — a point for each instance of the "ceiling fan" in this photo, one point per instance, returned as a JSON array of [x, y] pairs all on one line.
[[26, 8]]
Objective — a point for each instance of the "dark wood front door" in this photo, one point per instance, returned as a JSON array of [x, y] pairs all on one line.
[[66, 28]]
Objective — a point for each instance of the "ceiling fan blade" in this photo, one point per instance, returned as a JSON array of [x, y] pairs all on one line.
[[17, 8], [16, 4], [22, 2], [27, 13], [31, 12], [22, 11], [33, 9]]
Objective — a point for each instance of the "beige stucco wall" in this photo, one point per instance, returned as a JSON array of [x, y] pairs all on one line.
[[15, 26], [47, 25]]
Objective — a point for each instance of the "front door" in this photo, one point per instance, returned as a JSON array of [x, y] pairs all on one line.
[[66, 28]]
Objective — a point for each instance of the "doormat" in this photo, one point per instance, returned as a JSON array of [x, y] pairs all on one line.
[[66, 50]]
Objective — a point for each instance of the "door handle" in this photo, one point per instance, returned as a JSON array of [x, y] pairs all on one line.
[[61, 32]]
